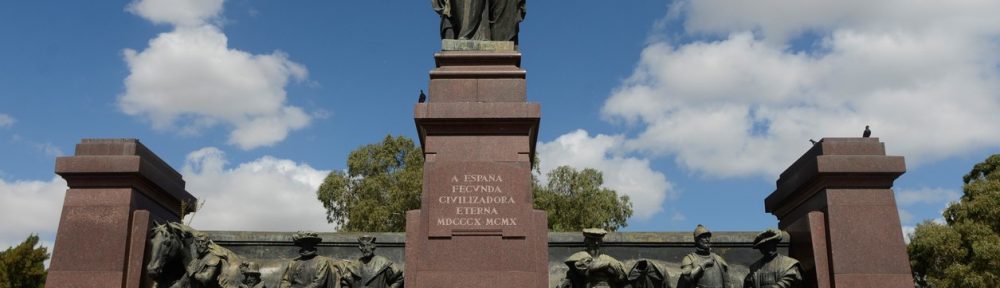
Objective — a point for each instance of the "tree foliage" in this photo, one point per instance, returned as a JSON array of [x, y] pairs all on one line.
[[964, 252], [575, 200], [23, 266], [382, 182]]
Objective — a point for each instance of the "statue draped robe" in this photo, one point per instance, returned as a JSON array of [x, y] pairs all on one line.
[[488, 20]]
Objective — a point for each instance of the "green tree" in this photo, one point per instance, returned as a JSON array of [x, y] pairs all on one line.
[[575, 200], [23, 266], [384, 180], [964, 252]]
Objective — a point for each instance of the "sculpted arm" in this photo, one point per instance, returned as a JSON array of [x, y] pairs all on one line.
[[690, 271], [791, 277], [208, 270], [395, 276]]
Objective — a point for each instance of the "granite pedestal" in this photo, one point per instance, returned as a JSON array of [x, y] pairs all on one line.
[[476, 226]]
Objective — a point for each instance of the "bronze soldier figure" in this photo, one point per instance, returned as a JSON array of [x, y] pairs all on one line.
[[592, 269], [773, 270], [702, 268]]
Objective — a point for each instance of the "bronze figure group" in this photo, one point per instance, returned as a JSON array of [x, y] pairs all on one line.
[[701, 268], [181, 257]]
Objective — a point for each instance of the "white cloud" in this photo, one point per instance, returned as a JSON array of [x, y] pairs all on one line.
[[906, 197], [267, 194], [6, 120], [189, 77], [30, 207], [631, 176], [746, 105], [177, 12]]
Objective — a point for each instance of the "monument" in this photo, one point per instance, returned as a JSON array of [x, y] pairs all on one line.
[[476, 226]]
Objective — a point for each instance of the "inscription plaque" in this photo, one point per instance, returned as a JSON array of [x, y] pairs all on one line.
[[477, 198]]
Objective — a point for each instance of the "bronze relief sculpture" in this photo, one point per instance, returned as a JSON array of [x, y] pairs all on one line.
[[772, 269], [182, 257], [309, 270], [370, 270], [703, 268], [591, 268]]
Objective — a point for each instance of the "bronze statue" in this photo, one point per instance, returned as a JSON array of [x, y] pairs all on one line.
[[490, 20], [592, 269], [648, 274], [183, 257], [308, 270], [370, 270], [773, 269], [251, 276], [702, 268]]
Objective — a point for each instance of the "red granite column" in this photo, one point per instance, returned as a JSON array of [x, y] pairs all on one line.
[[476, 226], [837, 203], [117, 187]]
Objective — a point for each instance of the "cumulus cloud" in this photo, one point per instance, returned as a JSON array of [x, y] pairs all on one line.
[[190, 79], [267, 194], [6, 121], [30, 207], [648, 189], [177, 12], [746, 104]]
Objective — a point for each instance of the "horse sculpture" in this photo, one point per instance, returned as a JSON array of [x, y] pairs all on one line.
[[176, 262]]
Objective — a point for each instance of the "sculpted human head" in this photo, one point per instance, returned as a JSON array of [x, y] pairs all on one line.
[[593, 238], [767, 242], [201, 243], [366, 244], [702, 238]]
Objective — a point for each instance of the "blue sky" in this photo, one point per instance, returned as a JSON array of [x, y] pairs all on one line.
[[690, 107]]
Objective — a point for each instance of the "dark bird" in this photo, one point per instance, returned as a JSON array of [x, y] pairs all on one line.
[[423, 98], [813, 141], [868, 132]]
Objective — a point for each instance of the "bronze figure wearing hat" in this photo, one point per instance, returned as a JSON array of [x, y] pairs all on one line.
[[370, 270], [309, 270], [251, 275], [591, 268], [772, 269], [703, 268]]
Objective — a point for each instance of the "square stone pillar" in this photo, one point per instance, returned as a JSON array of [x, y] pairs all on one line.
[[117, 187], [837, 203], [476, 226]]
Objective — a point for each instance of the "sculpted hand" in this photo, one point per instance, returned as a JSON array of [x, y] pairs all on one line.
[[709, 263]]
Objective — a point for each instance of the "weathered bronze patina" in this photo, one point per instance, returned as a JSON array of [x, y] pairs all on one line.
[[487, 20], [702, 268], [773, 270], [591, 268], [370, 270], [183, 257], [648, 274], [251, 276], [308, 270]]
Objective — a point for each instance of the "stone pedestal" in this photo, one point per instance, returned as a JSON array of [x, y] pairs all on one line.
[[837, 203], [117, 187], [476, 226]]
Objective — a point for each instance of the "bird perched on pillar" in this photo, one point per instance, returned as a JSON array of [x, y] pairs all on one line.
[[423, 98], [868, 132]]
